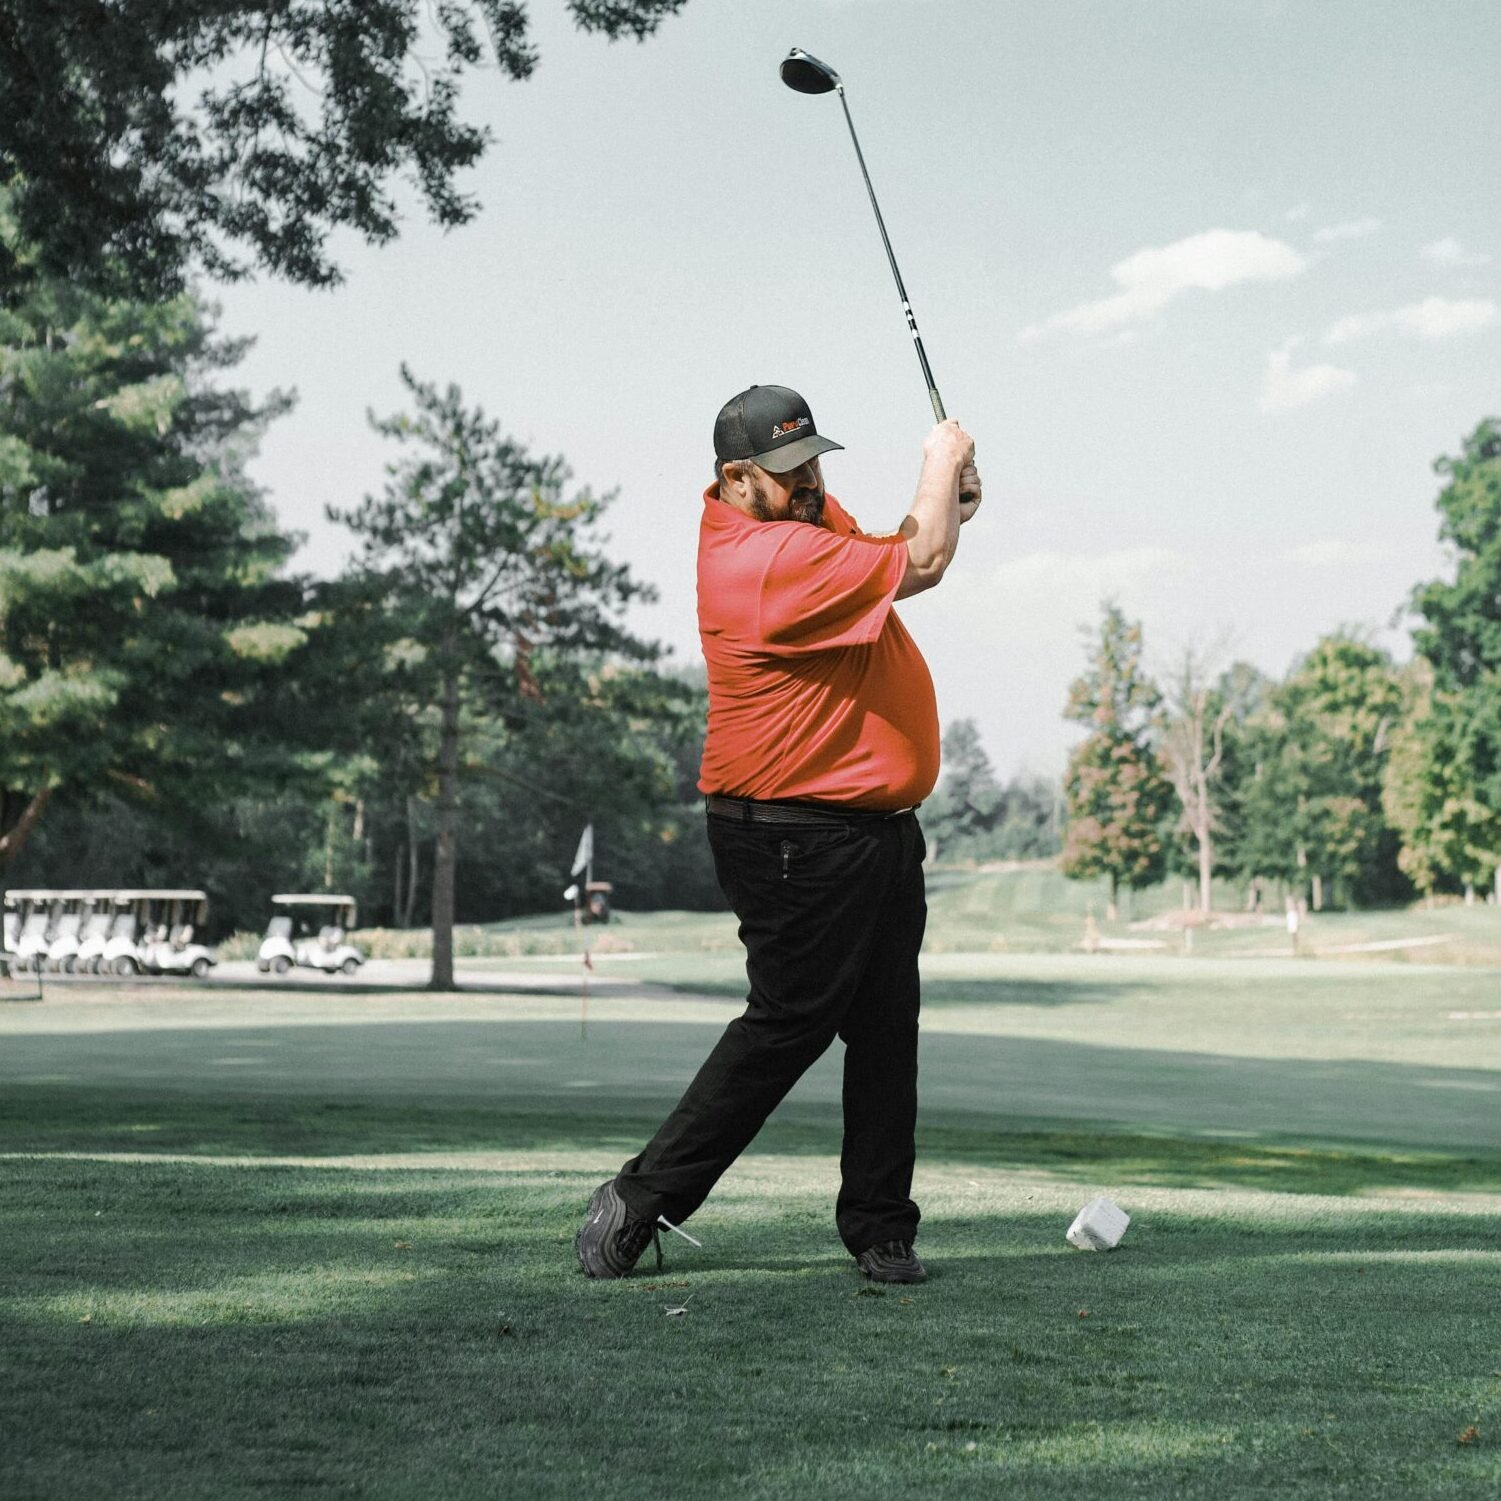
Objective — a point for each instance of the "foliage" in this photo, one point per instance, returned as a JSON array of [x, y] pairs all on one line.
[[1447, 790], [1341, 705], [1448, 835], [481, 575], [144, 137], [144, 614], [1114, 791], [1461, 630], [973, 816], [1191, 732]]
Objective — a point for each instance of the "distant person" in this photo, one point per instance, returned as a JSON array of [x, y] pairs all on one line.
[[822, 739]]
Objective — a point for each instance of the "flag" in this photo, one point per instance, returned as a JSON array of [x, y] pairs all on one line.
[[585, 852]]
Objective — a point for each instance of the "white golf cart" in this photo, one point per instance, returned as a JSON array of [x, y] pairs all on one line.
[[309, 930], [62, 946], [30, 916], [98, 924], [169, 945], [121, 954]]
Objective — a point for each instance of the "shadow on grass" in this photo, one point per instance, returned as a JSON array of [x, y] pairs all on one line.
[[942, 992], [233, 1331], [59, 1119]]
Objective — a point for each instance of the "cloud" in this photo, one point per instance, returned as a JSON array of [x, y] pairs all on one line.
[[1282, 387], [1357, 229], [1153, 277], [1433, 318], [1297, 212], [1449, 252]]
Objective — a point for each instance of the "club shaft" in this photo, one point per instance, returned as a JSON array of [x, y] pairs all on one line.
[[922, 356]]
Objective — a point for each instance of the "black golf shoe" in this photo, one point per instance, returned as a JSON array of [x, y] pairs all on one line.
[[892, 1261], [611, 1239]]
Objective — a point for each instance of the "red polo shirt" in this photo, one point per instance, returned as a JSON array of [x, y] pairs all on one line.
[[816, 691]]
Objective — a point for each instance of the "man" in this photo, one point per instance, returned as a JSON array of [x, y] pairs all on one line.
[[823, 738]]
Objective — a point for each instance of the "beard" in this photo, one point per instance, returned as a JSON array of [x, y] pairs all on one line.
[[804, 504]]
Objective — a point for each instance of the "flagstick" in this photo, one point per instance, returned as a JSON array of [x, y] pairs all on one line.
[[584, 999]]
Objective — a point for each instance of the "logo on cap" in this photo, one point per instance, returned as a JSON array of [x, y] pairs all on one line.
[[781, 429]]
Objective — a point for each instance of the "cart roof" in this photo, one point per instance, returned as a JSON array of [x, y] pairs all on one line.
[[55, 894], [163, 894], [312, 899]]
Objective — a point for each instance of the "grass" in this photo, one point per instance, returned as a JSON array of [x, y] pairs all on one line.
[[1027, 909], [312, 1244]]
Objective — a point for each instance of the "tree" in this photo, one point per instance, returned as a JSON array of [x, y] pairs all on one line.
[[1340, 705], [1461, 630], [970, 801], [144, 613], [1192, 740], [482, 568], [1447, 834], [1114, 792], [1252, 844], [143, 137], [1461, 639]]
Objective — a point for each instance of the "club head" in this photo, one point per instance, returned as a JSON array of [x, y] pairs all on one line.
[[807, 75]]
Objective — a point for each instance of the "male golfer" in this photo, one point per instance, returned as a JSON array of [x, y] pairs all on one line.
[[823, 737]]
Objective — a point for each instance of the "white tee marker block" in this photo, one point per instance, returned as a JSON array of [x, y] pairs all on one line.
[[1098, 1226]]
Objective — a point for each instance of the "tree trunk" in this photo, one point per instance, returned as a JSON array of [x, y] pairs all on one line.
[[330, 829], [408, 914], [1206, 872], [1498, 885], [1111, 911], [445, 853], [1469, 893], [13, 840], [1318, 892]]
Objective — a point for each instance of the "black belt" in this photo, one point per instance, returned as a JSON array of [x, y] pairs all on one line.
[[752, 810]]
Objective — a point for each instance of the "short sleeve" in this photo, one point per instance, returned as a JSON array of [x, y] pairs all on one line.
[[821, 590]]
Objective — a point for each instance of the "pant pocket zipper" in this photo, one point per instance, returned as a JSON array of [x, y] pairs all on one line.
[[787, 849]]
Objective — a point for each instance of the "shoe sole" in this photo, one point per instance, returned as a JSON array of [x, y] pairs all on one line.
[[895, 1276], [598, 1209]]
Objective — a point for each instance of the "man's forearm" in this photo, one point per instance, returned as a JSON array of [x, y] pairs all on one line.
[[931, 527]]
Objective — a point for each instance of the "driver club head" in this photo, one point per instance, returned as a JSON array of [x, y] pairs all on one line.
[[807, 75]]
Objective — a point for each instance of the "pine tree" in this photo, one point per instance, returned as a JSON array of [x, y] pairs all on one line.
[[143, 609], [478, 564]]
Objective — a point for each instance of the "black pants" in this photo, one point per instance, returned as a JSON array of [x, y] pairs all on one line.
[[832, 918]]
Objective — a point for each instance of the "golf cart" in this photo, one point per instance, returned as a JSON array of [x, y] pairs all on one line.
[[28, 927], [309, 930], [98, 924], [172, 918], [62, 947], [121, 952]]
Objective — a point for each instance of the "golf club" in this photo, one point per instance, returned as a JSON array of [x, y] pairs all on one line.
[[807, 75]]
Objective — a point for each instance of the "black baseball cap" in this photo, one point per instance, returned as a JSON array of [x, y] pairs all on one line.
[[771, 426]]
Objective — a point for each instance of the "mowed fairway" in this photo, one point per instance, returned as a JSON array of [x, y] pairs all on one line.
[[317, 1241]]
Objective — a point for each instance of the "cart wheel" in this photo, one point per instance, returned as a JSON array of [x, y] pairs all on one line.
[[69, 965], [281, 964], [349, 966], [200, 968], [125, 965]]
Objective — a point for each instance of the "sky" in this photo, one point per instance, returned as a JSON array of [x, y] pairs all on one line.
[[1211, 282]]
